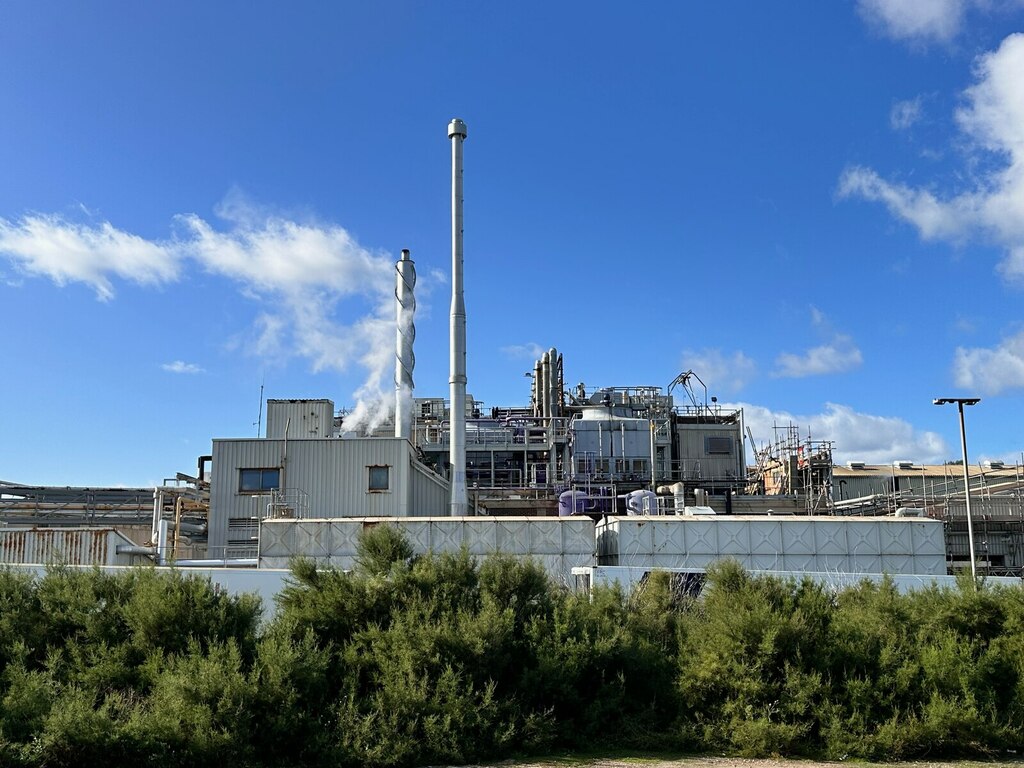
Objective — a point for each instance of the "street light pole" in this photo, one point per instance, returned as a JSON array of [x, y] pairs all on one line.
[[961, 402]]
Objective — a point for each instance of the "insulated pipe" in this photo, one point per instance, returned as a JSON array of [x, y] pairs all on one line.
[[457, 368], [553, 382], [405, 335], [545, 384]]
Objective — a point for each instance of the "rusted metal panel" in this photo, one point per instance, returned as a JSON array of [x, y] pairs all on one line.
[[61, 546]]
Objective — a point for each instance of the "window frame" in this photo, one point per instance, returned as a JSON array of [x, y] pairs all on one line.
[[708, 441], [264, 486], [370, 477]]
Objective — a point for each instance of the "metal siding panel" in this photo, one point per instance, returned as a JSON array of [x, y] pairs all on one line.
[[897, 563], [765, 538], [895, 537], [312, 538], [691, 560], [862, 538], [733, 537], [798, 562], [928, 538], [766, 562], [636, 538], [446, 535], [344, 535], [668, 537], [419, 534], [701, 537], [866, 563], [832, 563], [934, 565], [578, 536], [797, 538], [277, 538], [545, 536], [513, 536], [830, 537], [481, 537]]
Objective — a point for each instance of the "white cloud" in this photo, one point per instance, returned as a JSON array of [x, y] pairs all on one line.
[[856, 436], [904, 114], [837, 355], [180, 366], [50, 246], [989, 371], [992, 119], [529, 351], [919, 20], [720, 370], [301, 273]]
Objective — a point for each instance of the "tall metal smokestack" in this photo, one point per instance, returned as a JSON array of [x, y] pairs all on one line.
[[457, 379], [405, 335]]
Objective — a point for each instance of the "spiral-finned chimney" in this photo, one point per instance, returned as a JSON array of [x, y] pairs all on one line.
[[457, 378], [405, 335]]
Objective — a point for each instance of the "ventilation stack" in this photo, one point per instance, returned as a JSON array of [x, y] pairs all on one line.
[[457, 379], [405, 359]]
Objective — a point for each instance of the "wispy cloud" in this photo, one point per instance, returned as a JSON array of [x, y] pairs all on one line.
[[991, 370], [904, 114], [857, 436], [837, 355], [305, 276], [48, 245], [726, 372], [529, 351], [180, 366], [915, 20], [992, 121]]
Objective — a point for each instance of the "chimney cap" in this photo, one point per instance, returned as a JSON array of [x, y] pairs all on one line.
[[456, 128]]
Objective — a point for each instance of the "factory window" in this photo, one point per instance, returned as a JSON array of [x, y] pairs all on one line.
[[258, 480], [714, 445], [379, 479]]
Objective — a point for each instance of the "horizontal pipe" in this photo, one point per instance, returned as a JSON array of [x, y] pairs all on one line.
[[222, 562]]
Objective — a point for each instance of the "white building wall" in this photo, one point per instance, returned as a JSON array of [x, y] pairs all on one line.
[[557, 544], [331, 474], [847, 545]]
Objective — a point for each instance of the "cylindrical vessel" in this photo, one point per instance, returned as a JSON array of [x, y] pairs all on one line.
[[457, 368], [405, 335]]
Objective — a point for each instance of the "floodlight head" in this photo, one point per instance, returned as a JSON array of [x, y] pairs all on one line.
[[960, 400]]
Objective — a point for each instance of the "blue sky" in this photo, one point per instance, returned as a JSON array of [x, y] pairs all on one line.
[[818, 207]]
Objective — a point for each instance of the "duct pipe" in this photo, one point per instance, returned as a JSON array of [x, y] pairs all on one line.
[[538, 375], [405, 335], [545, 384], [457, 368], [553, 382]]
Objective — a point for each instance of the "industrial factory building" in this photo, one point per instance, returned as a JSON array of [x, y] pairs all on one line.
[[575, 477]]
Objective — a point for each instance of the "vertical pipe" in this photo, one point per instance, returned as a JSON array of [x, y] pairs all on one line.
[[967, 495], [553, 382], [405, 335], [652, 455], [457, 368]]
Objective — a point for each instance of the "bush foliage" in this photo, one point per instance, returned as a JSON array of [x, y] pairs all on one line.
[[444, 659]]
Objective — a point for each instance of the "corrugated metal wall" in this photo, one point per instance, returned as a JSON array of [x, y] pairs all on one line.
[[308, 418], [62, 546], [332, 472], [697, 463]]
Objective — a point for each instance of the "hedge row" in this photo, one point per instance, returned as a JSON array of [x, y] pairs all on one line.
[[443, 659]]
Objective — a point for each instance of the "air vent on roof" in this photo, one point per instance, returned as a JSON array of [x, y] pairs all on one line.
[[855, 464], [903, 464], [992, 464]]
